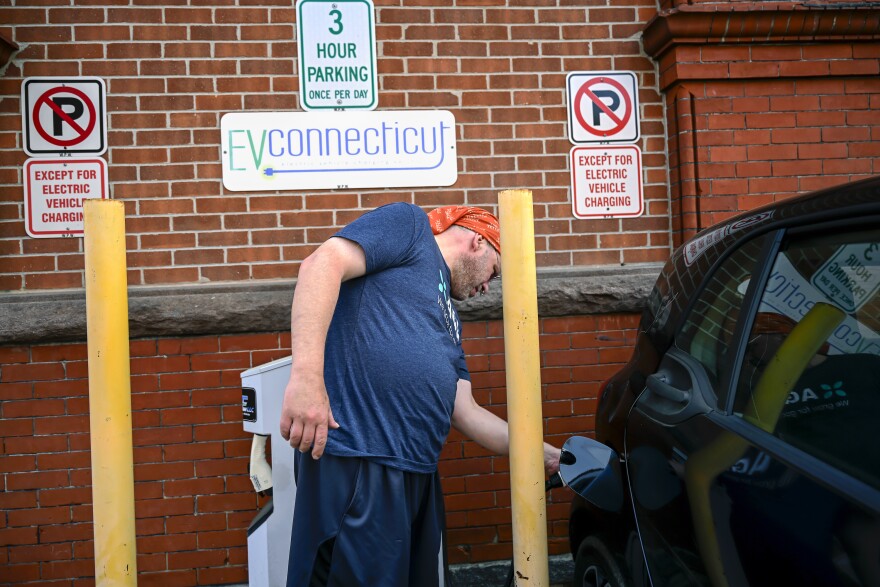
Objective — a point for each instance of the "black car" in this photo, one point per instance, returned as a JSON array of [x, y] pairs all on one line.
[[747, 422]]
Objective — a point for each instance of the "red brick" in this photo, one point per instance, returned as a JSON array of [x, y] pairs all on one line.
[[63, 352], [43, 516], [172, 506], [163, 471], [195, 523], [36, 444], [162, 436], [845, 135], [62, 425], [237, 448], [193, 452], [31, 372], [177, 416], [13, 391], [846, 166], [22, 427], [67, 496], [66, 533], [223, 431], [166, 544], [163, 579], [488, 517], [160, 400], [573, 425], [822, 151], [166, 364], [228, 466], [11, 536], [226, 502], [198, 559], [223, 575], [37, 553], [19, 499], [67, 569], [36, 480]]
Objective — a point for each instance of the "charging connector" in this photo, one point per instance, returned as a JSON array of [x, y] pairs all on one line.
[[259, 469]]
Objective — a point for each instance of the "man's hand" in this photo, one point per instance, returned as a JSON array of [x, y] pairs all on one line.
[[551, 459], [306, 414]]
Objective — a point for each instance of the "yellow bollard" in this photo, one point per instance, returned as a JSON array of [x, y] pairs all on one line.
[[520, 298], [109, 393]]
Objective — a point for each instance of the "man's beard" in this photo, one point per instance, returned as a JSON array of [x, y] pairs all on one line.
[[465, 277]]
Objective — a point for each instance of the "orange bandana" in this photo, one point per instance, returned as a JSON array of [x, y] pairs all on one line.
[[480, 221]]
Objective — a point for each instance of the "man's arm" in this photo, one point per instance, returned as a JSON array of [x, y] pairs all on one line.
[[305, 413], [487, 429]]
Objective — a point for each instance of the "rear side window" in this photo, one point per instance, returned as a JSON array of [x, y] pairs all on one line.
[[708, 331], [811, 369]]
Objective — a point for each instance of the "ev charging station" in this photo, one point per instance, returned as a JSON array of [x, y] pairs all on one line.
[[262, 390]]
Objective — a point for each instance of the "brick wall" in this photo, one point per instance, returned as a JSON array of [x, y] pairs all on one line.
[[743, 103], [763, 105], [173, 70], [193, 499]]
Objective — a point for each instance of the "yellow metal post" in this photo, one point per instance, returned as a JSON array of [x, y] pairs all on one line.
[[109, 393], [520, 299]]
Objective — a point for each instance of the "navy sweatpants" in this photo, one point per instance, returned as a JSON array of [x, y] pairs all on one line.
[[358, 523]]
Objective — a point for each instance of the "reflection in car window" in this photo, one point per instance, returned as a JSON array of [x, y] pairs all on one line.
[[708, 329], [827, 402]]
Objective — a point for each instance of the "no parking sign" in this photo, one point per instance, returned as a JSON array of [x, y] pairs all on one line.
[[64, 116], [603, 107]]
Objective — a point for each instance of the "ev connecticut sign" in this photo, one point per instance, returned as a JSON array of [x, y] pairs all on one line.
[[337, 150]]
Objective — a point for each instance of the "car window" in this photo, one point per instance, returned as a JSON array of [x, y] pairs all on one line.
[[708, 329], [811, 368]]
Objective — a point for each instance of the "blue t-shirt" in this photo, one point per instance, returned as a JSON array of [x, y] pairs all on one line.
[[393, 356]]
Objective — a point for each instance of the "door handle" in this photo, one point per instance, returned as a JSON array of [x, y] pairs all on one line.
[[657, 384]]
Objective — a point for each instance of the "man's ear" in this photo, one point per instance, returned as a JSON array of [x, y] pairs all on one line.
[[476, 242]]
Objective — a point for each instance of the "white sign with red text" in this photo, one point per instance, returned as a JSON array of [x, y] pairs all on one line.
[[54, 192], [606, 182]]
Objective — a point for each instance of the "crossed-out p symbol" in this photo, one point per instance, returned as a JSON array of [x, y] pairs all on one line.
[[60, 116], [603, 107], [612, 104], [64, 116], [61, 113]]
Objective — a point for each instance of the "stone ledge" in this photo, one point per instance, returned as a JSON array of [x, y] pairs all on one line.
[[205, 309]]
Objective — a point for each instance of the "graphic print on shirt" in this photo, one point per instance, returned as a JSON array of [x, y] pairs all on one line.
[[450, 316]]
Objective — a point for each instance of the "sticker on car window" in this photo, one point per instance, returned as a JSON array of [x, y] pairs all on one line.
[[851, 276], [789, 294], [696, 247]]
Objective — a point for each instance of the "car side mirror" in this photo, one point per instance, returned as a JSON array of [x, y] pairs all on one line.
[[592, 470]]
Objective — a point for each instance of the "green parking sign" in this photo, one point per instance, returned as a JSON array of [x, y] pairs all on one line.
[[336, 43]]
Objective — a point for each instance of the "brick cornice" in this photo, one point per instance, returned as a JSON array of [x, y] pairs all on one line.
[[691, 24]]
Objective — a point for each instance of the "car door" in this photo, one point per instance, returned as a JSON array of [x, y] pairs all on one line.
[[751, 452]]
